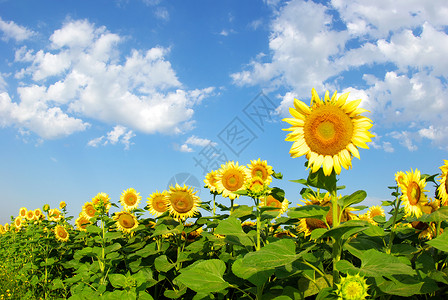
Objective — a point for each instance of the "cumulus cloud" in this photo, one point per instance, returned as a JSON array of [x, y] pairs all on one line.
[[388, 53], [119, 134], [82, 75], [195, 141], [13, 31]]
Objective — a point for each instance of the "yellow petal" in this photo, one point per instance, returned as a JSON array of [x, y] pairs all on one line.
[[342, 99], [294, 121], [301, 107], [314, 97], [345, 158], [327, 96], [337, 164], [296, 114], [317, 163], [328, 165], [351, 106], [353, 150]]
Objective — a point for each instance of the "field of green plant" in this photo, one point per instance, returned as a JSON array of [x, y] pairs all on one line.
[[329, 246]]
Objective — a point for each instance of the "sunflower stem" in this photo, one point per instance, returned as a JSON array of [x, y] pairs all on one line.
[[214, 204], [336, 243], [257, 202], [394, 220]]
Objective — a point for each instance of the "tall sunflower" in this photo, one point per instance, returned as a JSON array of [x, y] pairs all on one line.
[[413, 193], [211, 180], [158, 203], [125, 221], [54, 215], [270, 201], [182, 202], [88, 210], [130, 199], [102, 200], [38, 214], [61, 233], [261, 169], [30, 215], [442, 190], [399, 177], [328, 132], [231, 178], [18, 223]]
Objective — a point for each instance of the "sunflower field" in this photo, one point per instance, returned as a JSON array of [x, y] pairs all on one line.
[[321, 245]]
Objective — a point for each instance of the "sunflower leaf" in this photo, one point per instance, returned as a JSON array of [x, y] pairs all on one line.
[[309, 211], [440, 242], [354, 198], [204, 276]]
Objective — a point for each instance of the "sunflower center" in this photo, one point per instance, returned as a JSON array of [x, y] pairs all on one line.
[[130, 199], [160, 205], [62, 233], [353, 290], [232, 180], [446, 184], [260, 172], [413, 193], [328, 130], [182, 202], [314, 224], [126, 221]]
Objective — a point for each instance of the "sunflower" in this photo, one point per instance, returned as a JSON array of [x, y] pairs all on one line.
[[372, 212], [88, 210], [46, 207], [6, 226], [62, 205], [256, 187], [442, 190], [399, 177], [231, 178], [182, 202], [125, 221], [61, 233], [130, 199], [158, 203], [191, 235], [413, 193], [82, 222], [2, 229], [22, 212], [18, 223], [102, 200], [54, 215], [38, 214], [352, 288], [211, 180], [270, 201], [328, 132], [30, 215], [261, 169]]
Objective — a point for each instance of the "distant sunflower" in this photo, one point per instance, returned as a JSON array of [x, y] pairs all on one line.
[[261, 169], [211, 180], [352, 288], [125, 221], [22, 212], [88, 210], [231, 178], [413, 193], [54, 215], [82, 222], [256, 187], [158, 203], [30, 215], [182, 202], [38, 214], [18, 223], [328, 132], [2, 229], [61, 233], [192, 234], [62, 205], [130, 199], [102, 199], [442, 190], [374, 211], [6, 226]]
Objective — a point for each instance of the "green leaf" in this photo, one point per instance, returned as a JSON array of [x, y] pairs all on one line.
[[320, 181], [278, 194], [277, 175], [204, 276], [309, 211], [241, 211], [440, 242], [93, 229], [346, 230], [175, 294], [309, 288], [111, 248], [233, 231], [354, 198], [253, 274], [301, 181], [117, 280], [407, 286], [162, 264]]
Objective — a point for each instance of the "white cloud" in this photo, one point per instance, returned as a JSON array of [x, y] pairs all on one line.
[[119, 134], [405, 38], [195, 141], [13, 31], [81, 74]]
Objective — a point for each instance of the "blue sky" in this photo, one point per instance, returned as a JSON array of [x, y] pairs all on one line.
[[101, 96]]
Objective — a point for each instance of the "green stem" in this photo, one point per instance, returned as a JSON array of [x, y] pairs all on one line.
[[237, 288], [394, 220], [258, 246], [318, 271], [231, 206], [260, 291], [336, 221], [214, 204]]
